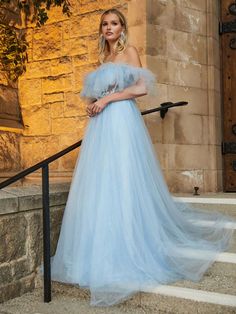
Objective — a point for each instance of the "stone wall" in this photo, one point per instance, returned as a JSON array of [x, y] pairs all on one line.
[[21, 236], [182, 48]]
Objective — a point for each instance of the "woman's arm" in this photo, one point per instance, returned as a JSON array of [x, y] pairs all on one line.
[[133, 91]]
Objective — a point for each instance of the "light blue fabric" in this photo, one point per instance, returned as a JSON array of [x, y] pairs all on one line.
[[121, 231], [114, 77]]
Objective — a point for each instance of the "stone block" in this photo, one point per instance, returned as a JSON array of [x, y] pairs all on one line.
[[189, 20], [205, 129], [9, 151], [35, 238], [13, 231], [56, 219], [61, 66], [188, 129], [5, 273], [211, 180], [157, 40], [69, 139], [159, 67], [65, 126], [181, 73], [35, 149], [213, 52], [21, 268], [168, 128], [47, 42], [191, 157], [28, 197], [82, 59], [27, 284], [162, 155], [154, 125], [75, 46], [212, 26], [56, 84], [8, 202], [179, 181], [92, 50], [213, 7], [56, 15], [85, 25], [74, 106], [10, 291], [214, 76], [57, 109], [214, 131], [53, 97], [197, 99], [215, 157], [214, 103], [161, 13], [199, 5], [137, 36], [37, 121], [88, 6], [66, 29], [30, 92], [161, 94], [36, 70], [134, 9], [79, 74], [183, 46], [68, 161]]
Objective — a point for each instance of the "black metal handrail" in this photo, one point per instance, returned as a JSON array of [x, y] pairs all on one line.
[[45, 194]]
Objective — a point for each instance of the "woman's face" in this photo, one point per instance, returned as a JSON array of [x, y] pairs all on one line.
[[111, 27]]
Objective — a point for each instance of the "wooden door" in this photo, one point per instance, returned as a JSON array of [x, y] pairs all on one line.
[[228, 48]]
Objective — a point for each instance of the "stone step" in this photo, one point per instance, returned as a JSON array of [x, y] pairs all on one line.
[[163, 299], [214, 293], [221, 202], [166, 299]]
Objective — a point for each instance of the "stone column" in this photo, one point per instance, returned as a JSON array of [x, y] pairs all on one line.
[[182, 48]]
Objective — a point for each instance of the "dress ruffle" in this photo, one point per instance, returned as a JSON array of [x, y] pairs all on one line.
[[114, 77]]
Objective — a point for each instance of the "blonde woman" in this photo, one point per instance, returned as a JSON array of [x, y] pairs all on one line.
[[121, 231]]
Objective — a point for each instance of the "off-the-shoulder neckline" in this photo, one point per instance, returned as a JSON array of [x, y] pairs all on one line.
[[120, 63]]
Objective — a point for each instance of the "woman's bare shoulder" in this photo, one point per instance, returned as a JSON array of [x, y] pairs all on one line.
[[132, 56]]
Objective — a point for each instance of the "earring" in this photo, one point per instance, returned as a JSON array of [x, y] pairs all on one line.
[[122, 36], [102, 41]]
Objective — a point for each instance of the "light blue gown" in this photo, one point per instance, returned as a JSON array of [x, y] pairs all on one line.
[[122, 232]]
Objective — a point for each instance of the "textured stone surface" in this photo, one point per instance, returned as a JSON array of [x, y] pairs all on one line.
[[68, 299], [9, 151], [183, 50], [12, 237], [21, 237]]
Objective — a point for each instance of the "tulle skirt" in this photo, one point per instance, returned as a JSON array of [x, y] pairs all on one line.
[[122, 232]]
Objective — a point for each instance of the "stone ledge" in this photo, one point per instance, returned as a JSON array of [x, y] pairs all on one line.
[[18, 199]]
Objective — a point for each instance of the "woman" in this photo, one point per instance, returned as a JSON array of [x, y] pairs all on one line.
[[121, 231]]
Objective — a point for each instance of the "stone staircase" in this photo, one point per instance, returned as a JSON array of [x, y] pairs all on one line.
[[215, 293]]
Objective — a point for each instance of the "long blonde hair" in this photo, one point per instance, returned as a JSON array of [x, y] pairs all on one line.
[[122, 42]]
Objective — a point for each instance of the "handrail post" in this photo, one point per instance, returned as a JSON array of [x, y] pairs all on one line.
[[46, 235]]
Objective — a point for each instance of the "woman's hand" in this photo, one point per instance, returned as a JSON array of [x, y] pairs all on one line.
[[96, 107], [89, 110]]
